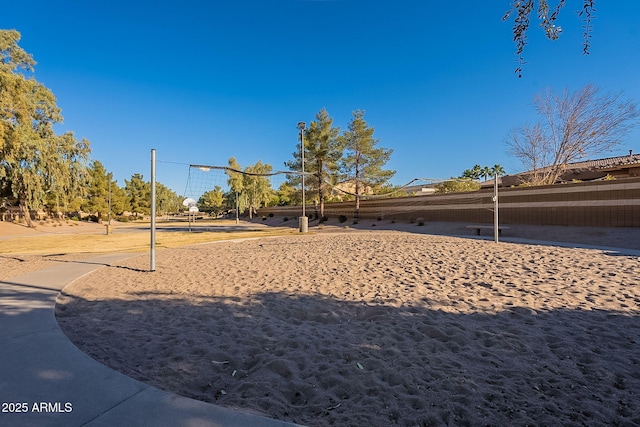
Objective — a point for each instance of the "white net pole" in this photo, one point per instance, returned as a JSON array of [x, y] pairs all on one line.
[[496, 229], [152, 254]]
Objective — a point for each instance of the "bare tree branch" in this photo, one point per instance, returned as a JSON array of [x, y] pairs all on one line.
[[573, 126]]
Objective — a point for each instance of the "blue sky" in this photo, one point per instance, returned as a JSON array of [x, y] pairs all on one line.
[[201, 81]]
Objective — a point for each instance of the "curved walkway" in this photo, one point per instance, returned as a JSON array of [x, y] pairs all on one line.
[[46, 381]]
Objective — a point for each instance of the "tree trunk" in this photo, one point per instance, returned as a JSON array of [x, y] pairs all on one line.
[[321, 198], [26, 213], [357, 212]]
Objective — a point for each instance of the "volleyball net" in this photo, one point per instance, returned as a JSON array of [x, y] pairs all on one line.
[[258, 187]]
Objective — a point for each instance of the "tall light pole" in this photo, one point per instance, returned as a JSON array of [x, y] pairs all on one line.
[[109, 177], [304, 221], [496, 229], [152, 252]]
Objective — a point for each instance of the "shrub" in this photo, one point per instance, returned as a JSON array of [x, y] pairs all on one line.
[[455, 186]]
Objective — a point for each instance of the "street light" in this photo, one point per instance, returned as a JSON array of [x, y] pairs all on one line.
[[110, 177], [304, 222]]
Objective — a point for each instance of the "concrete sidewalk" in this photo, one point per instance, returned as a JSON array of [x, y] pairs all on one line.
[[46, 381]]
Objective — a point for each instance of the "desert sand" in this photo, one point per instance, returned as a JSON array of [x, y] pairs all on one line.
[[376, 327]]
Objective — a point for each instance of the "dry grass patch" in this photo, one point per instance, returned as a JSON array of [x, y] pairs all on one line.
[[122, 241]]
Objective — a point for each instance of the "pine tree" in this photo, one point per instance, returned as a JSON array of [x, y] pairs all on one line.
[[323, 151], [97, 198], [139, 194], [363, 164]]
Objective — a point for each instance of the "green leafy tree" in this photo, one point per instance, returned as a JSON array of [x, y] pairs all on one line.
[[363, 164], [288, 195], [212, 201], [521, 11], [323, 151], [236, 184], [229, 201], [251, 185], [139, 194], [66, 176], [167, 201], [36, 165], [257, 186]]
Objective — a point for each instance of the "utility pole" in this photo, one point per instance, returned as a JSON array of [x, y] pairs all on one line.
[[304, 221]]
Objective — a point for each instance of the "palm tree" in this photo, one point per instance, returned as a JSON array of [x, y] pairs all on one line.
[[476, 172], [485, 171], [497, 170]]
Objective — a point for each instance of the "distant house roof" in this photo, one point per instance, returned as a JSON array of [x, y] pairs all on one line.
[[619, 167], [612, 163]]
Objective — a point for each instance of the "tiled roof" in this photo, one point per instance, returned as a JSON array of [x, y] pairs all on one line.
[[582, 167], [608, 163]]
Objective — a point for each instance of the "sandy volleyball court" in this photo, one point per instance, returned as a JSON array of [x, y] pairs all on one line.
[[375, 328]]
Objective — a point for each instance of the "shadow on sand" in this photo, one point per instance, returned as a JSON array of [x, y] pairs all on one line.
[[317, 360]]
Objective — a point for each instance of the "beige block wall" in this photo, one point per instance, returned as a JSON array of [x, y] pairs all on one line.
[[613, 203]]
